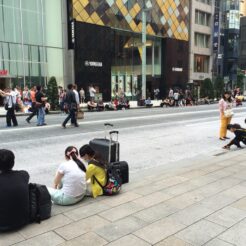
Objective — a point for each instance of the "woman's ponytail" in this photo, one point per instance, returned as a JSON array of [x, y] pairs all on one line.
[[72, 152]]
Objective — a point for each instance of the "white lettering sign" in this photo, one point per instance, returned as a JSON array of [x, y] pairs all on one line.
[[177, 69], [93, 64], [72, 32]]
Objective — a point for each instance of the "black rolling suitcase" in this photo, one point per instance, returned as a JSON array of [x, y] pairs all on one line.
[[104, 146], [111, 155], [122, 167]]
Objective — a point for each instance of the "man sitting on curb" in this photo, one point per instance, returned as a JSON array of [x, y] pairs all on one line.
[[148, 103]]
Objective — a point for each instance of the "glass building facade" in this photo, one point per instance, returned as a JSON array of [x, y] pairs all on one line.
[[228, 49], [31, 42], [121, 21]]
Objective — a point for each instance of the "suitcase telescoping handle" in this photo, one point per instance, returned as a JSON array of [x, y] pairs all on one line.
[[117, 144], [105, 128], [108, 124]]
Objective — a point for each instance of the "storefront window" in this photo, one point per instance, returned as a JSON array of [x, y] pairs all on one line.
[[201, 64], [127, 62]]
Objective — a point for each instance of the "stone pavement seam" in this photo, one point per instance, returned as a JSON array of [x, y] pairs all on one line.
[[179, 174], [223, 231], [195, 202], [226, 186]]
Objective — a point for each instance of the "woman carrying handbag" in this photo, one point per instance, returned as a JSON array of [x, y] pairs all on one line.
[[226, 113]]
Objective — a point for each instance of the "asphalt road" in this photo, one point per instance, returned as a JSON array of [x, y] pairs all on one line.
[[149, 137]]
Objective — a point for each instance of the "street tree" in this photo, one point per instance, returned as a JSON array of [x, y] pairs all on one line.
[[219, 86], [207, 89], [52, 93], [240, 78]]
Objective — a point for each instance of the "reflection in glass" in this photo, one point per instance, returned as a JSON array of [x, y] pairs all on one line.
[[35, 18], [127, 60]]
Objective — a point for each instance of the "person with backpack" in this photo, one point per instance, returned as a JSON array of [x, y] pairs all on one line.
[[95, 174], [14, 194], [69, 183], [9, 105], [103, 177], [240, 135]]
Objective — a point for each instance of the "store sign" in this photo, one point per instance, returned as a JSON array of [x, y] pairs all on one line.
[[93, 64], [177, 69], [216, 32], [73, 31], [220, 56], [3, 72]]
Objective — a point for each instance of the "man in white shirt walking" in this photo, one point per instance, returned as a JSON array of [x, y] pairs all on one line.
[[10, 102]]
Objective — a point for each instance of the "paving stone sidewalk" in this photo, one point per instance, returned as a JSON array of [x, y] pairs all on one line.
[[201, 203]]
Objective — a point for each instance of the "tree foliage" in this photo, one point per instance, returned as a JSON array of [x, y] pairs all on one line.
[[207, 89], [240, 79], [52, 93], [219, 87]]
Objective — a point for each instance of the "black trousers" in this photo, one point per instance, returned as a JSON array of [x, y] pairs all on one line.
[[34, 112], [71, 116], [10, 116]]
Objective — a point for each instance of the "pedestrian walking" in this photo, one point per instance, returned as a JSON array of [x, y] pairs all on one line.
[[176, 98], [71, 106], [170, 93], [75, 90], [225, 107], [82, 95], [33, 109], [61, 96], [26, 95], [40, 105], [9, 104]]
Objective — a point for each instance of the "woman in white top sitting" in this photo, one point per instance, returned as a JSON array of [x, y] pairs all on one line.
[[70, 183]]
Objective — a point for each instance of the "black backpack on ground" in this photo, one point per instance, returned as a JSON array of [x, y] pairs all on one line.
[[40, 203]]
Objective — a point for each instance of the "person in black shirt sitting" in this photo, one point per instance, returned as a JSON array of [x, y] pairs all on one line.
[[240, 135], [14, 194]]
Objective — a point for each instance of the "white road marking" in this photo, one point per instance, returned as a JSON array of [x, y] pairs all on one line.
[[93, 122], [101, 133]]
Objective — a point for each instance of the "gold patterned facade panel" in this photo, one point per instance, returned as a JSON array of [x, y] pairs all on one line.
[[166, 18]]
